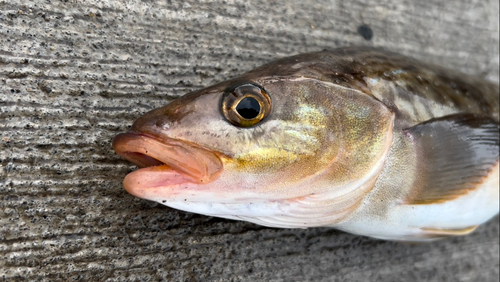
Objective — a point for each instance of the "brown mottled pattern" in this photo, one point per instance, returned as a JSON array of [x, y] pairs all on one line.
[[352, 66]]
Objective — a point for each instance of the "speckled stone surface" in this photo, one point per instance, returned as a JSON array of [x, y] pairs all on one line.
[[75, 73]]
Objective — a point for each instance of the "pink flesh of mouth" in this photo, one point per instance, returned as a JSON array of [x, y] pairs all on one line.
[[164, 163]]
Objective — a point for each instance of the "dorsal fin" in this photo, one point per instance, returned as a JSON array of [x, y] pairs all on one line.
[[455, 154]]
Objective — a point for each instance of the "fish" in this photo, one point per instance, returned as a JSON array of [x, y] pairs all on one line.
[[360, 139]]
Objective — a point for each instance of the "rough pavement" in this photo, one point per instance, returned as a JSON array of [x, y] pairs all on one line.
[[75, 73]]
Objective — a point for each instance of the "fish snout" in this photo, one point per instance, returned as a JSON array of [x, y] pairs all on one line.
[[157, 122], [154, 122]]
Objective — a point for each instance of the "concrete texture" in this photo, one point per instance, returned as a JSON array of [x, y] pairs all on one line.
[[75, 73]]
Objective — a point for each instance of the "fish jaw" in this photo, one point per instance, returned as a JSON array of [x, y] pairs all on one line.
[[181, 175], [164, 163]]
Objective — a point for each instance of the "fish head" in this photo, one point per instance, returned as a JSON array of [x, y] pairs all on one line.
[[272, 147]]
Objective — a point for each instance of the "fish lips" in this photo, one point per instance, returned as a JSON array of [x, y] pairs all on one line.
[[165, 162]]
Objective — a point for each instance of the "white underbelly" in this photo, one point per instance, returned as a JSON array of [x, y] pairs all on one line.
[[400, 221]]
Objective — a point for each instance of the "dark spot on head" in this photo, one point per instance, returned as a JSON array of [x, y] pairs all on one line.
[[158, 123], [365, 31]]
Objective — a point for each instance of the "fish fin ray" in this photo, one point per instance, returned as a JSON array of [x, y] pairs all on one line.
[[456, 154], [440, 233]]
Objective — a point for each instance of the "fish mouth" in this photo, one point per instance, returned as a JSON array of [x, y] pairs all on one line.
[[165, 162]]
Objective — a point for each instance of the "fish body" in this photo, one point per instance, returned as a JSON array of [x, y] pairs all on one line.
[[359, 139]]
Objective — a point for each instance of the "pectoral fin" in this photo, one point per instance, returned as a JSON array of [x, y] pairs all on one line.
[[455, 155]]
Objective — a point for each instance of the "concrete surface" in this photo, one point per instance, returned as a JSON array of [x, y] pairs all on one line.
[[75, 73]]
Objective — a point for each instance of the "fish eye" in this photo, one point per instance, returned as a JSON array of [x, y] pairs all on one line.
[[248, 108], [246, 105]]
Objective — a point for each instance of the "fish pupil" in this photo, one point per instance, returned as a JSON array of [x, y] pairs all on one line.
[[248, 108]]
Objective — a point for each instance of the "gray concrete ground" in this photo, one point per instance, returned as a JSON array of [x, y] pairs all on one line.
[[75, 73]]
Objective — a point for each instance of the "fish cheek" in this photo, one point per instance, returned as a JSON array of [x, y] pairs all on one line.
[[297, 141], [366, 137], [352, 131]]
